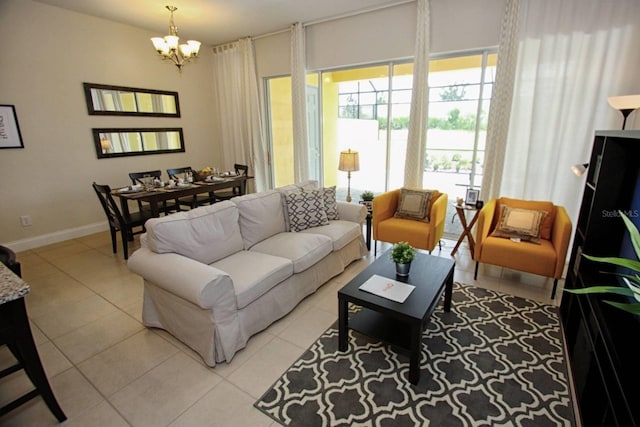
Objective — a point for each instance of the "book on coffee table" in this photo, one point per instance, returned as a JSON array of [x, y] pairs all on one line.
[[387, 288]]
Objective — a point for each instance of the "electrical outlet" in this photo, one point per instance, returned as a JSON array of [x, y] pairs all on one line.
[[25, 220]]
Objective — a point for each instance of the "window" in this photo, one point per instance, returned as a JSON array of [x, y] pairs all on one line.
[[367, 109]]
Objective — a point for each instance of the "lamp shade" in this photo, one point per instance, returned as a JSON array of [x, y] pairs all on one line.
[[580, 168], [626, 102], [349, 161]]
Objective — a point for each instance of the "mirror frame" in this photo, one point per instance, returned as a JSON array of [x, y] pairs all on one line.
[[92, 111], [102, 155]]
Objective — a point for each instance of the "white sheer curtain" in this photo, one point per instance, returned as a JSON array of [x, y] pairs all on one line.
[[417, 137], [573, 55], [235, 88], [299, 103], [501, 100]]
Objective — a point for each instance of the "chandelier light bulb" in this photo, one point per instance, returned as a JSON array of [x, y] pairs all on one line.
[[168, 47]]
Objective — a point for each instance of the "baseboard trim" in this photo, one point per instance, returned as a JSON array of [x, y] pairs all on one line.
[[58, 236]]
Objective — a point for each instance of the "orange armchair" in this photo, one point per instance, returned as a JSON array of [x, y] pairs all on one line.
[[546, 258], [419, 234]]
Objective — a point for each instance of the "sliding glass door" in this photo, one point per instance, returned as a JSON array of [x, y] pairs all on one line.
[[367, 109]]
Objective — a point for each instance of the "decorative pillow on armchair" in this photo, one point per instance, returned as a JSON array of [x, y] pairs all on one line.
[[520, 223], [306, 210], [414, 204]]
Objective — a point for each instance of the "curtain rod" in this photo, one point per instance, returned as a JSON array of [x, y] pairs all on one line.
[[335, 18]]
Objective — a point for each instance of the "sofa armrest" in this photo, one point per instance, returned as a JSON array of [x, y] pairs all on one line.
[[353, 212], [560, 236], [483, 225], [189, 279]]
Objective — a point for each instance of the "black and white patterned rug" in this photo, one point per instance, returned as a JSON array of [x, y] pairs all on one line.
[[494, 360]]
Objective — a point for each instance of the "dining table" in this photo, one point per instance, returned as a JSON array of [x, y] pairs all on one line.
[[157, 195]]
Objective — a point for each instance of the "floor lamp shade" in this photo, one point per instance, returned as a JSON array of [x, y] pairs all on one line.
[[349, 162], [625, 104]]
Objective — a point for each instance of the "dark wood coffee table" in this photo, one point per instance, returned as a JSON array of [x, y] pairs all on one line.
[[398, 324]]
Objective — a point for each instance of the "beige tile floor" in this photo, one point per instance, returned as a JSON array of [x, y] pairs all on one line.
[[107, 369]]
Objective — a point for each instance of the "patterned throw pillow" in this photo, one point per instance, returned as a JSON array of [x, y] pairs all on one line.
[[521, 223], [330, 204], [306, 210], [413, 204]]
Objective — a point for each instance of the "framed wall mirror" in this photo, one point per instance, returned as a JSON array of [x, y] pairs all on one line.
[[109, 100], [137, 141]]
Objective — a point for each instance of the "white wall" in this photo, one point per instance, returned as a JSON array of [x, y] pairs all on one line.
[[386, 34], [51, 51], [47, 54]]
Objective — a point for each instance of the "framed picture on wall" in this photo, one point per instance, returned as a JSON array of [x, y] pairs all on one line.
[[472, 196], [10, 136]]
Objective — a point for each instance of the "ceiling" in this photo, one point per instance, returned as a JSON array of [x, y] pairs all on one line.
[[218, 21]]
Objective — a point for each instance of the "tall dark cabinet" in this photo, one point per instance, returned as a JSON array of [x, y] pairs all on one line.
[[603, 341]]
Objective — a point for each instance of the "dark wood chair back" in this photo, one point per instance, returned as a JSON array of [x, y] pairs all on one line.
[[136, 179], [117, 222], [135, 176], [8, 258], [241, 169], [176, 172], [195, 200]]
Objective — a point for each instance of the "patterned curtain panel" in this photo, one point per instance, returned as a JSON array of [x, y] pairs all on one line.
[[235, 85], [501, 99], [417, 138], [299, 104]]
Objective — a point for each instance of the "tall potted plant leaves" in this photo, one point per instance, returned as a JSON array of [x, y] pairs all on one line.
[[632, 281]]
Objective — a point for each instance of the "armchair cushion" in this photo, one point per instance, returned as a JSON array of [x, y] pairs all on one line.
[[419, 233], [549, 207], [520, 223], [414, 204]]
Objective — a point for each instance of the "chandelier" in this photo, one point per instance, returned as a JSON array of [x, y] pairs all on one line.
[[168, 47]]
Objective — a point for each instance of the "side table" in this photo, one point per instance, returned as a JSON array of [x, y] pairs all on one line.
[[467, 227], [369, 218]]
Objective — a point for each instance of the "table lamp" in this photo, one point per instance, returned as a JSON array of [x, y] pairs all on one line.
[[349, 162]]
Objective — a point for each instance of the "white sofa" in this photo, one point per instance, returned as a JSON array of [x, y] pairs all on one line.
[[216, 275]]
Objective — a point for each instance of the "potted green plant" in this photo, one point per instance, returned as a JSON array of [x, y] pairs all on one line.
[[631, 280], [366, 198], [366, 195], [402, 254]]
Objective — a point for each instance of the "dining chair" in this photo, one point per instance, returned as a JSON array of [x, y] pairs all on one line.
[[195, 200], [241, 170], [117, 221], [137, 178]]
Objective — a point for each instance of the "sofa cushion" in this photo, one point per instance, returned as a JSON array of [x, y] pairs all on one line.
[[330, 203], [261, 216], [308, 184], [205, 234], [341, 233], [254, 274], [304, 250], [291, 188], [306, 209]]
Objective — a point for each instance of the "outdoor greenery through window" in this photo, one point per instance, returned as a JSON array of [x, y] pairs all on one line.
[[367, 109]]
